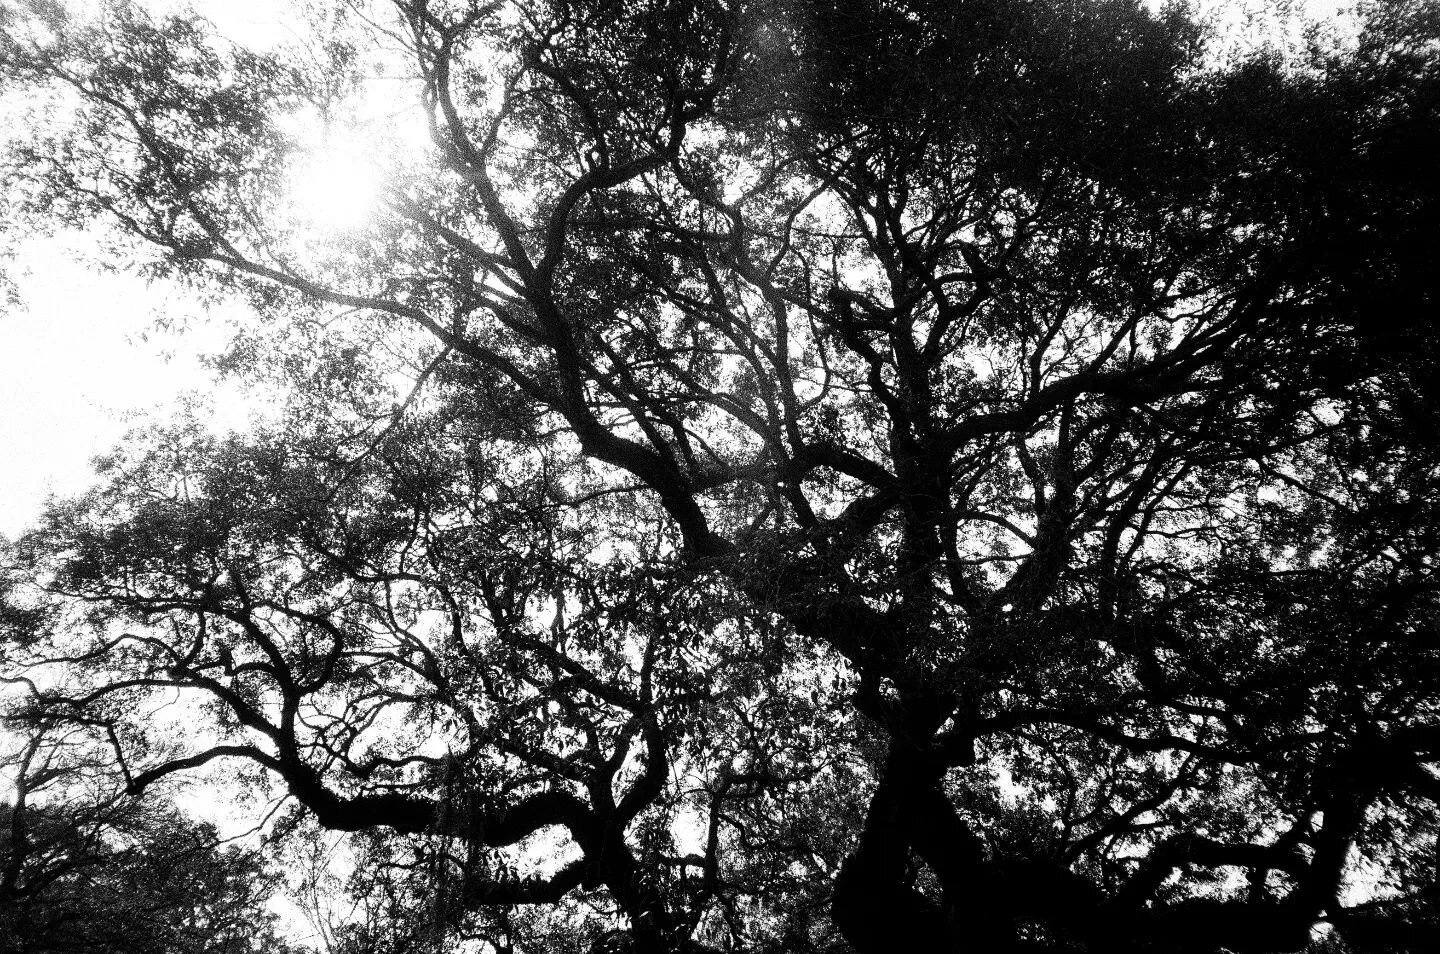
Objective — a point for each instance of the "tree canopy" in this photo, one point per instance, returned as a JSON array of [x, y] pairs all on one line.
[[775, 475], [85, 867]]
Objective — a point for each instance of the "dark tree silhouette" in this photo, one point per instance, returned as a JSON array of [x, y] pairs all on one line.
[[871, 475], [86, 868]]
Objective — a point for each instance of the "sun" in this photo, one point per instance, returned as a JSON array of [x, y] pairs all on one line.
[[335, 189]]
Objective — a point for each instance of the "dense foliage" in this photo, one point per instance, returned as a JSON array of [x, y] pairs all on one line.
[[85, 868], [805, 475]]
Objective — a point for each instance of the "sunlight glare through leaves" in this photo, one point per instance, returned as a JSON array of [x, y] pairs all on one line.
[[334, 189]]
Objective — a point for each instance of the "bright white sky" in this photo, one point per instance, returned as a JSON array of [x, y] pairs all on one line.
[[79, 361], [82, 360]]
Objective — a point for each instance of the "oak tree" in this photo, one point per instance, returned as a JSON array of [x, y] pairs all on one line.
[[85, 867], [801, 475]]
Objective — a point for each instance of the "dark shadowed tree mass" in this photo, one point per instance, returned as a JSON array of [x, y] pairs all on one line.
[[88, 869], [770, 475]]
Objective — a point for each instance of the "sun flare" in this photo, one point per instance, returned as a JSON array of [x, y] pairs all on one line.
[[335, 190]]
